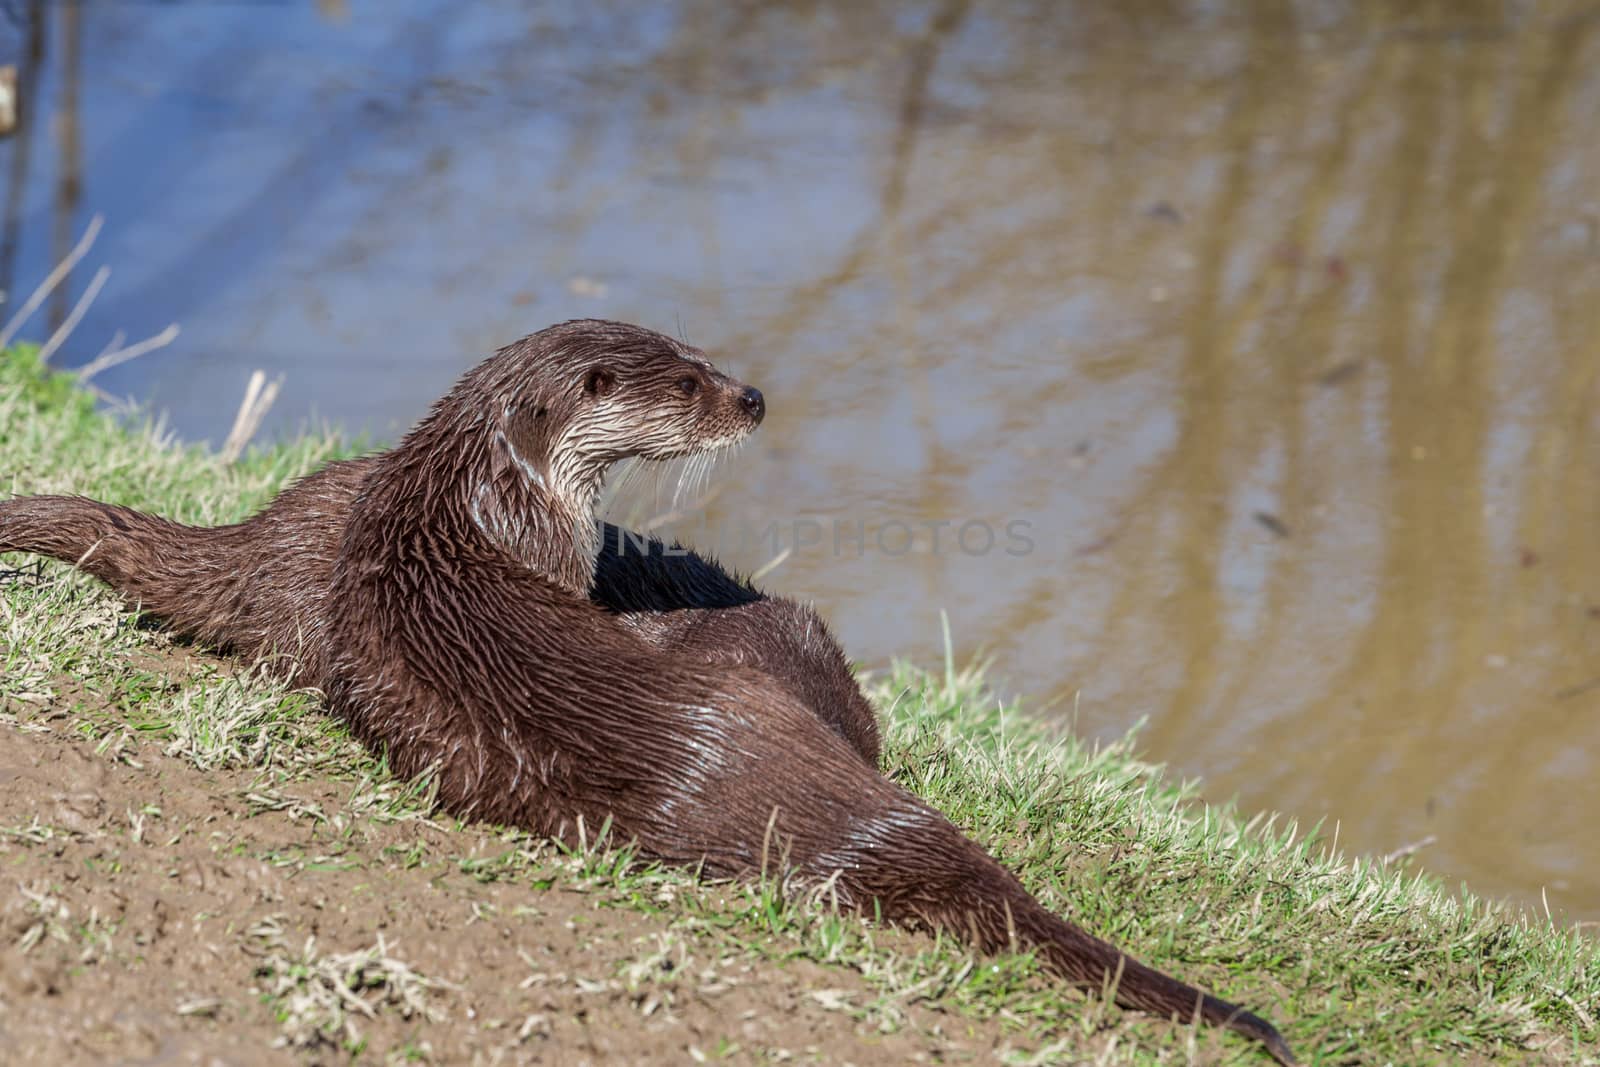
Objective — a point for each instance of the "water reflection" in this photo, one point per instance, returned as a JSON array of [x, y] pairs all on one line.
[[1276, 321]]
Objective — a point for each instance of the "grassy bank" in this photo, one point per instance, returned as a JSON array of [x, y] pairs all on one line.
[[1356, 961]]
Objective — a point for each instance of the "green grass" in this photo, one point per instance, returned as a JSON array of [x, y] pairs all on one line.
[[1356, 960]]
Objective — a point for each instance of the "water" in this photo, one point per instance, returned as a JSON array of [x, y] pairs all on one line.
[[1275, 326]]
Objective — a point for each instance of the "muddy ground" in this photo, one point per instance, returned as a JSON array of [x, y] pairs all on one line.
[[151, 912]]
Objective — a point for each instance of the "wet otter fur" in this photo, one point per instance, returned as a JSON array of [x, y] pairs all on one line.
[[458, 637], [258, 590], [682, 602]]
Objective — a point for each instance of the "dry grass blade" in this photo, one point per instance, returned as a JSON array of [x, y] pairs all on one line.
[[53, 279], [319, 995], [258, 398], [117, 353], [64, 331], [772, 564]]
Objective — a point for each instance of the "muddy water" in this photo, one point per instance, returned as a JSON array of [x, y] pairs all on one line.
[[1226, 367]]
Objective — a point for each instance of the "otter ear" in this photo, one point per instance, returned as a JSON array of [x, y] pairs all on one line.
[[599, 382]]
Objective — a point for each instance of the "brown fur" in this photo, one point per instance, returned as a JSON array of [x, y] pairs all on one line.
[[683, 603], [456, 637], [257, 589]]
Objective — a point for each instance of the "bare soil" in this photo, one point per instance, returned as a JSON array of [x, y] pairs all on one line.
[[154, 913]]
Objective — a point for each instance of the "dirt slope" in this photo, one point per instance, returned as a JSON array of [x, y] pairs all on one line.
[[151, 912]]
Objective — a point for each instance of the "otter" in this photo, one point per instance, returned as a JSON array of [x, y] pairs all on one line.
[[258, 590], [458, 635]]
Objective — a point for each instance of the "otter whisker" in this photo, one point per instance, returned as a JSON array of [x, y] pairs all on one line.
[[689, 483], [671, 469], [686, 479], [626, 474]]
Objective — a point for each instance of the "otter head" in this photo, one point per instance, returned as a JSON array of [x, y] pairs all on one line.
[[566, 403], [586, 394]]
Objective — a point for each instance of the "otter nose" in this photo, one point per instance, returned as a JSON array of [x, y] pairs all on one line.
[[753, 402]]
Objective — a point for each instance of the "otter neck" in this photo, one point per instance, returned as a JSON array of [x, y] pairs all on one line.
[[457, 473], [544, 516]]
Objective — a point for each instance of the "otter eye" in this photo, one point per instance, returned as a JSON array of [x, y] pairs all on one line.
[[688, 385], [599, 382]]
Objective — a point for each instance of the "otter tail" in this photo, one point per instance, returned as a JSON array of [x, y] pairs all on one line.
[[176, 572], [1088, 961], [975, 897], [888, 853]]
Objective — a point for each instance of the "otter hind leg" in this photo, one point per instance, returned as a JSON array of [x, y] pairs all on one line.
[[789, 642], [785, 641], [686, 603]]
